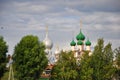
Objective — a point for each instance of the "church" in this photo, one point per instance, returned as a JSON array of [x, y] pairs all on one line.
[[78, 47]]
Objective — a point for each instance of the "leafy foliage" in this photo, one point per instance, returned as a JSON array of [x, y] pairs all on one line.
[[117, 53], [102, 61], [117, 62], [29, 57], [3, 51], [86, 70], [65, 68], [98, 66]]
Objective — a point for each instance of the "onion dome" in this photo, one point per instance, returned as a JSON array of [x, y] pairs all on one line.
[[79, 42], [57, 51], [80, 36], [72, 43], [46, 51], [48, 43], [88, 43]]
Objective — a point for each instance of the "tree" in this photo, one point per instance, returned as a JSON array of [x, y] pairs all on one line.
[[117, 53], [29, 58], [98, 66], [65, 68], [3, 51], [86, 70], [102, 61], [117, 62]]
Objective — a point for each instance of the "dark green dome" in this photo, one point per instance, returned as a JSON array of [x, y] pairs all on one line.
[[79, 42], [80, 36], [88, 43], [72, 43]]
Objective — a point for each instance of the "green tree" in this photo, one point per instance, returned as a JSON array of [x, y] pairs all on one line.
[[102, 61], [117, 53], [117, 62], [86, 70], [29, 58], [65, 68], [3, 51], [98, 66]]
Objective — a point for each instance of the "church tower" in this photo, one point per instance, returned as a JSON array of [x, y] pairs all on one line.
[[80, 38], [73, 44], [48, 46], [57, 53], [78, 49], [88, 45]]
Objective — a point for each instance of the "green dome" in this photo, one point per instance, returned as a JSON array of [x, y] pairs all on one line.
[[72, 43], [88, 43], [79, 42], [80, 36]]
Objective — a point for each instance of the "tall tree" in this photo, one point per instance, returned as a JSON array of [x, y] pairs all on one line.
[[29, 58], [117, 62], [65, 68], [3, 51], [117, 53], [102, 61], [98, 66], [86, 70]]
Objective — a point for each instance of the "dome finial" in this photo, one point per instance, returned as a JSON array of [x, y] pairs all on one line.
[[80, 36], [48, 43], [80, 25], [57, 46], [47, 29], [73, 32], [87, 37], [57, 49]]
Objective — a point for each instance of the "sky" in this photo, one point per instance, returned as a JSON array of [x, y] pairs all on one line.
[[100, 19]]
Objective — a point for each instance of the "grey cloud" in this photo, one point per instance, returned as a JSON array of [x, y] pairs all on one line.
[[21, 17], [42, 6]]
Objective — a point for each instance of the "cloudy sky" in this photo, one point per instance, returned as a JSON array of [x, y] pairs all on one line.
[[100, 19]]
